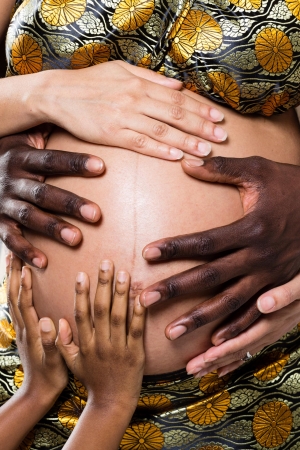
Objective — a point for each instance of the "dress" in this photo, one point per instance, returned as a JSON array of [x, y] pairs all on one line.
[[241, 53]]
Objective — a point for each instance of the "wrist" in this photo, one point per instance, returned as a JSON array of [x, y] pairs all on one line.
[[39, 393], [119, 407]]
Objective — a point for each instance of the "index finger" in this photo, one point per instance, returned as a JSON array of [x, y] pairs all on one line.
[[58, 162]]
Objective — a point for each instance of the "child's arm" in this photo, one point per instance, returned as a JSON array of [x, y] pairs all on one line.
[[108, 361], [45, 374]]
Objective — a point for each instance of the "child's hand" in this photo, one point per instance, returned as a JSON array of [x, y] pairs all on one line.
[[108, 361], [45, 373]]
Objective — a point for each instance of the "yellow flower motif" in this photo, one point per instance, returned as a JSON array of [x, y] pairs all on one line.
[[272, 103], [272, 424], [26, 55], [145, 61], [142, 436], [132, 14], [247, 4], [7, 333], [294, 7], [226, 87], [154, 402], [273, 50], [89, 55], [211, 447], [197, 31], [70, 411], [274, 363], [62, 12], [212, 383], [19, 376], [80, 389], [28, 441], [210, 410]]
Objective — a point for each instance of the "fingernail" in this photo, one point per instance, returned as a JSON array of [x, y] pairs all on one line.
[[265, 304], [68, 235], [37, 262], [152, 253], [208, 360], [94, 165], [202, 373], [151, 297], [88, 212], [121, 276], [194, 162], [80, 277], [220, 134], [216, 115], [46, 325], [7, 261], [175, 153], [204, 148], [177, 331], [23, 272], [105, 265]]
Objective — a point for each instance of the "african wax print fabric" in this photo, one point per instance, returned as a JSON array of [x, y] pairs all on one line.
[[241, 53], [255, 407]]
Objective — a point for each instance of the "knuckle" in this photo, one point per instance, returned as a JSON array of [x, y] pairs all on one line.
[[220, 164], [49, 345], [160, 129], [176, 112], [77, 162], [203, 245], [136, 333], [100, 311], [199, 319], [24, 214], [117, 320], [232, 302], [39, 192], [177, 97], [71, 205], [51, 228], [79, 315], [171, 289], [209, 277], [139, 141], [205, 127], [48, 161], [189, 143]]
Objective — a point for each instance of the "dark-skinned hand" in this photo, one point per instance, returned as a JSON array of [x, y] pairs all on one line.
[[257, 252], [25, 198]]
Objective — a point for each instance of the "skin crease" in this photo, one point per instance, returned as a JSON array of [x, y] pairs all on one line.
[[144, 199]]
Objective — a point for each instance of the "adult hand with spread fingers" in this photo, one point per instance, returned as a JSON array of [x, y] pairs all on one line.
[[258, 251]]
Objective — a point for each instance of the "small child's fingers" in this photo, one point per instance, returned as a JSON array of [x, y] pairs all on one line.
[[83, 309], [25, 304], [65, 344], [48, 337], [13, 288], [135, 339], [118, 317], [102, 303]]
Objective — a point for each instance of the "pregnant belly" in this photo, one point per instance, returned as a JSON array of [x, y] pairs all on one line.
[[144, 199]]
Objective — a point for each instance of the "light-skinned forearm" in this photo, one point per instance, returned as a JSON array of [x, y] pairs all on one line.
[[100, 427], [21, 413]]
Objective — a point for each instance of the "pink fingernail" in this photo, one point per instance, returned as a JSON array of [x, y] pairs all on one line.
[[46, 325], [68, 235], [209, 359], [152, 253], [177, 331], [88, 212], [94, 165], [105, 265], [216, 115], [194, 162], [80, 277], [265, 304], [121, 276], [150, 298], [204, 148], [175, 153], [37, 262], [220, 134]]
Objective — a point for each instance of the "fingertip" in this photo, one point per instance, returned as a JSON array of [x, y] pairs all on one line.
[[64, 331], [70, 236], [95, 165], [266, 304], [40, 262], [46, 325], [151, 253]]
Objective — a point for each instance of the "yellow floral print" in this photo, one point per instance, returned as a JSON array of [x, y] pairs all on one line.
[[210, 410], [19, 376], [181, 48], [62, 12], [294, 7], [26, 55], [277, 360], [70, 411], [272, 424], [203, 32], [132, 14], [247, 4], [154, 402], [211, 447], [142, 436], [7, 333], [274, 50], [145, 61], [80, 389], [226, 87], [212, 383], [89, 55]]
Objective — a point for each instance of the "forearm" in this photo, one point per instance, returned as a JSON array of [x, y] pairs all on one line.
[[19, 415], [100, 427]]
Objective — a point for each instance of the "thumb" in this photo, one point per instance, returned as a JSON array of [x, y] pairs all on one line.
[[48, 336], [65, 344], [279, 297]]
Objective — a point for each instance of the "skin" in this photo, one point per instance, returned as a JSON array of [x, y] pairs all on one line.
[[105, 348]]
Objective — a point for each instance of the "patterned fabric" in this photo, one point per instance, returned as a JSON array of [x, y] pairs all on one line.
[[256, 407], [241, 53]]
